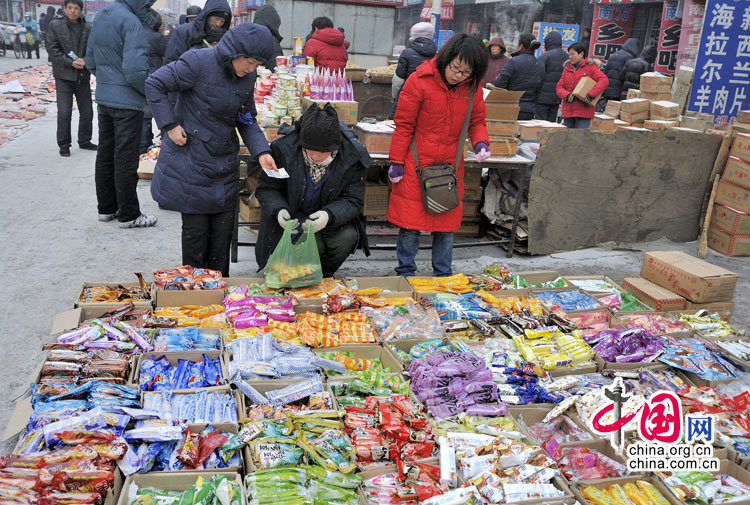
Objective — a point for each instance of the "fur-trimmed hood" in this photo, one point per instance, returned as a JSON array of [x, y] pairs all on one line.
[[587, 61]]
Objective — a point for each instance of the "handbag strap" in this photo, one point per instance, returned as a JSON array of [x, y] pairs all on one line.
[[461, 138]]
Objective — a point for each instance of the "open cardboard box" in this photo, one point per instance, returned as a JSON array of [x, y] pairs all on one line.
[[604, 278], [111, 305], [535, 414], [264, 386], [71, 319], [724, 309], [236, 395], [393, 287], [406, 345], [725, 468], [537, 277], [176, 481], [366, 351], [175, 357], [501, 104], [605, 365], [179, 298], [577, 488]]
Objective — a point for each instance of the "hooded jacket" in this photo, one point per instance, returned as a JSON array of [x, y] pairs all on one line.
[[589, 67], [341, 196], [419, 50], [615, 66], [191, 35], [327, 48], [631, 74], [31, 25], [523, 73], [116, 54], [63, 37], [201, 176], [553, 59], [267, 16], [496, 63], [48, 17]]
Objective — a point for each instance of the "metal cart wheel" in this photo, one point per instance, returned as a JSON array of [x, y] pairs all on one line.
[[18, 47]]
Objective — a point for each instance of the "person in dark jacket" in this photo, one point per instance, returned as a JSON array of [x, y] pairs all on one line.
[[157, 46], [71, 76], [421, 48], [191, 35], [182, 19], [267, 16], [116, 55], [191, 13], [553, 59], [631, 73], [197, 170], [523, 73], [325, 189], [328, 48], [615, 66], [497, 60]]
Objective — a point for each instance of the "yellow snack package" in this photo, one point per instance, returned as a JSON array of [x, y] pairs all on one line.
[[598, 496], [635, 494], [652, 493], [618, 493]]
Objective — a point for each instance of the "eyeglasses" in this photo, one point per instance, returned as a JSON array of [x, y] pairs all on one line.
[[458, 71]]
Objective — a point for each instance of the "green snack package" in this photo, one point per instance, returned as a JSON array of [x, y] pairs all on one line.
[[334, 478], [290, 475], [630, 303], [228, 491], [240, 440], [339, 440], [326, 492], [275, 454], [203, 493]]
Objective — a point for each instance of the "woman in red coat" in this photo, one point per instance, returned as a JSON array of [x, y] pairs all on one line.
[[577, 113], [432, 107], [328, 48]]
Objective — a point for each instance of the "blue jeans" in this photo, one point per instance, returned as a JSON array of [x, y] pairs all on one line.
[[577, 122], [407, 248]]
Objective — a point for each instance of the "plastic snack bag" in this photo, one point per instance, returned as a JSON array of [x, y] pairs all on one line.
[[294, 265]]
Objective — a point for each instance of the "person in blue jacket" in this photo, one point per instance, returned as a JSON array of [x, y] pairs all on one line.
[[32, 27], [197, 171], [553, 59], [523, 73], [116, 55], [215, 13]]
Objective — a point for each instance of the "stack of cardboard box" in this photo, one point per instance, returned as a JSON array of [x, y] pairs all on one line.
[[729, 230], [681, 87], [531, 130], [656, 87], [662, 115], [502, 114], [675, 281], [635, 111], [697, 121], [612, 109]]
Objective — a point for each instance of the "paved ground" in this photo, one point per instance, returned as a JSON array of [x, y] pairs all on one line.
[[10, 62], [51, 243]]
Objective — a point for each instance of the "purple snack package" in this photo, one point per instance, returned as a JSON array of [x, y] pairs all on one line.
[[488, 410]]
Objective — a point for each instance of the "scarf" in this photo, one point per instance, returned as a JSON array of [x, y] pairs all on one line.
[[317, 170]]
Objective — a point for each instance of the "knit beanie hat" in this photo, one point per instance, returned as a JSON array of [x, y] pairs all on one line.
[[422, 29], [319, 129]]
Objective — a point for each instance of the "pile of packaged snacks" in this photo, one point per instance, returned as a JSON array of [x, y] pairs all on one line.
[[245, 310], [185, 339], [422, 350], [188, 278], [568, 300], [640, 492], [409, 322], [451, 307], [318, 330], [553, 349], [199, 407], [199, 316], [458, 284], [655, 324], [582, 463], [709, 325], [72, 364], [417, 484], [590, 323], [699, 357], [158, 373], [302, 484], [597, 285], [631, 345], [367, 383], [703, 487], [525, 305], [352, 363], [218, 490], [106, 333], [116, 294], [622, 302]]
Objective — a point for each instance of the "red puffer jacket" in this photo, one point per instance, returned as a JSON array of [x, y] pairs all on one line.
[[435, 114], [328, 48], [568, 82]]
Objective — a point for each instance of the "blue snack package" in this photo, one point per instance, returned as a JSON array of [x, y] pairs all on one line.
[[149, 456]]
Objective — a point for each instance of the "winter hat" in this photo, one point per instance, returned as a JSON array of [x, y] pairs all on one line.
[[422, 29], [319, 129], [528, 41]]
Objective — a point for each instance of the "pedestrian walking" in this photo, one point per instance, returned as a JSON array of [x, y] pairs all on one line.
[[577, 113], [32, 34], [67, 40], [497, 60], [433, 108], [190, 35], [553, 59], [421, 48], [327, 47], [197, 170], [268, 16], [157, 46], [523, 73], [616, 64], [325, 189], [116, 55], [635, 68]]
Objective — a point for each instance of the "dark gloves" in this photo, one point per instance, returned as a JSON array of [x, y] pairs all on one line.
[[570, 98]]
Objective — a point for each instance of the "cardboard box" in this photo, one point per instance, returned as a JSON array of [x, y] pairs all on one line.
[[694, 123], [657, 97], [612, 108], [531, 130], [146, 169], [577, 488], [633, 93], [367, 351], [727, 244], [188, 297], [393, 287], [664, 110], [501, 128], [175, 356], [472, 191], [660, 124], [470, 208], [503, 146], [271, 132], [249, 210], [571, 280], [684, 75], [71, 319], [502, 105], [689, 277], [634, 105], [585, 85], [724, 309], [733, 196], [653, 295], [634, 117], [603, 123], [730, 221], [347, 111], [661, 89], [375, 137], [538, 277], [111, 305], [654, 78], [737, 172], [376, 200], [174, 481], [743, 116]]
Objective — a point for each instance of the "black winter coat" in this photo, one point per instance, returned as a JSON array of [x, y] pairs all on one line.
[[553, 59], [615, 66], [631, 74], [342, 195], [63, 37], [267, 16], [419, 50], [201, 177], [191, 35], [523, 73], [157, 47]]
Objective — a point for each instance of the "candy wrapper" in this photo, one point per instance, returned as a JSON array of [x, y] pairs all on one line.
[[451, 307], [185, 339], [631, 345], [188, 278], [157, 374], [554, 349], [597, 285], [709, 325], [655, 324], [704, 487], [568, 300], [581, 463], [244, 309], [457, 284], [116, 294], [200, 407], [200, 316], [695, 356], [410, 322]]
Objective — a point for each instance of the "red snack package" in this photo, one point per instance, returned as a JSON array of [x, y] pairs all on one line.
[[357, 417], [112, 452], [415, 451], [47, 474], [91, 481], [211, 442], [190, 451], [74, 437], [420, 473], [68, 454], [21, 460], [58, 498], [424, 492], [14, 495]]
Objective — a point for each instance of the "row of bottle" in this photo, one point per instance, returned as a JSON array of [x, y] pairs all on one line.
[[323, 84]]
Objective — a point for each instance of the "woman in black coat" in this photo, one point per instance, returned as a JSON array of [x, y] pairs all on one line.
[[635, 68], [615, 66], [523, 73]]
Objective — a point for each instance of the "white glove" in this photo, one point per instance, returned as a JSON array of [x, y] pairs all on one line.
[[318, 220], [283, 218]]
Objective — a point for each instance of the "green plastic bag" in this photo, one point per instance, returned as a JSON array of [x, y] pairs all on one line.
[[294, 265], [30, 39]]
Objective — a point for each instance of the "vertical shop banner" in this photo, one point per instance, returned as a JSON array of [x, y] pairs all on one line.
[[612, 26], [443, 37], [570, 34], [446, 11], [690, 36], [721, 85], [669, 40]]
